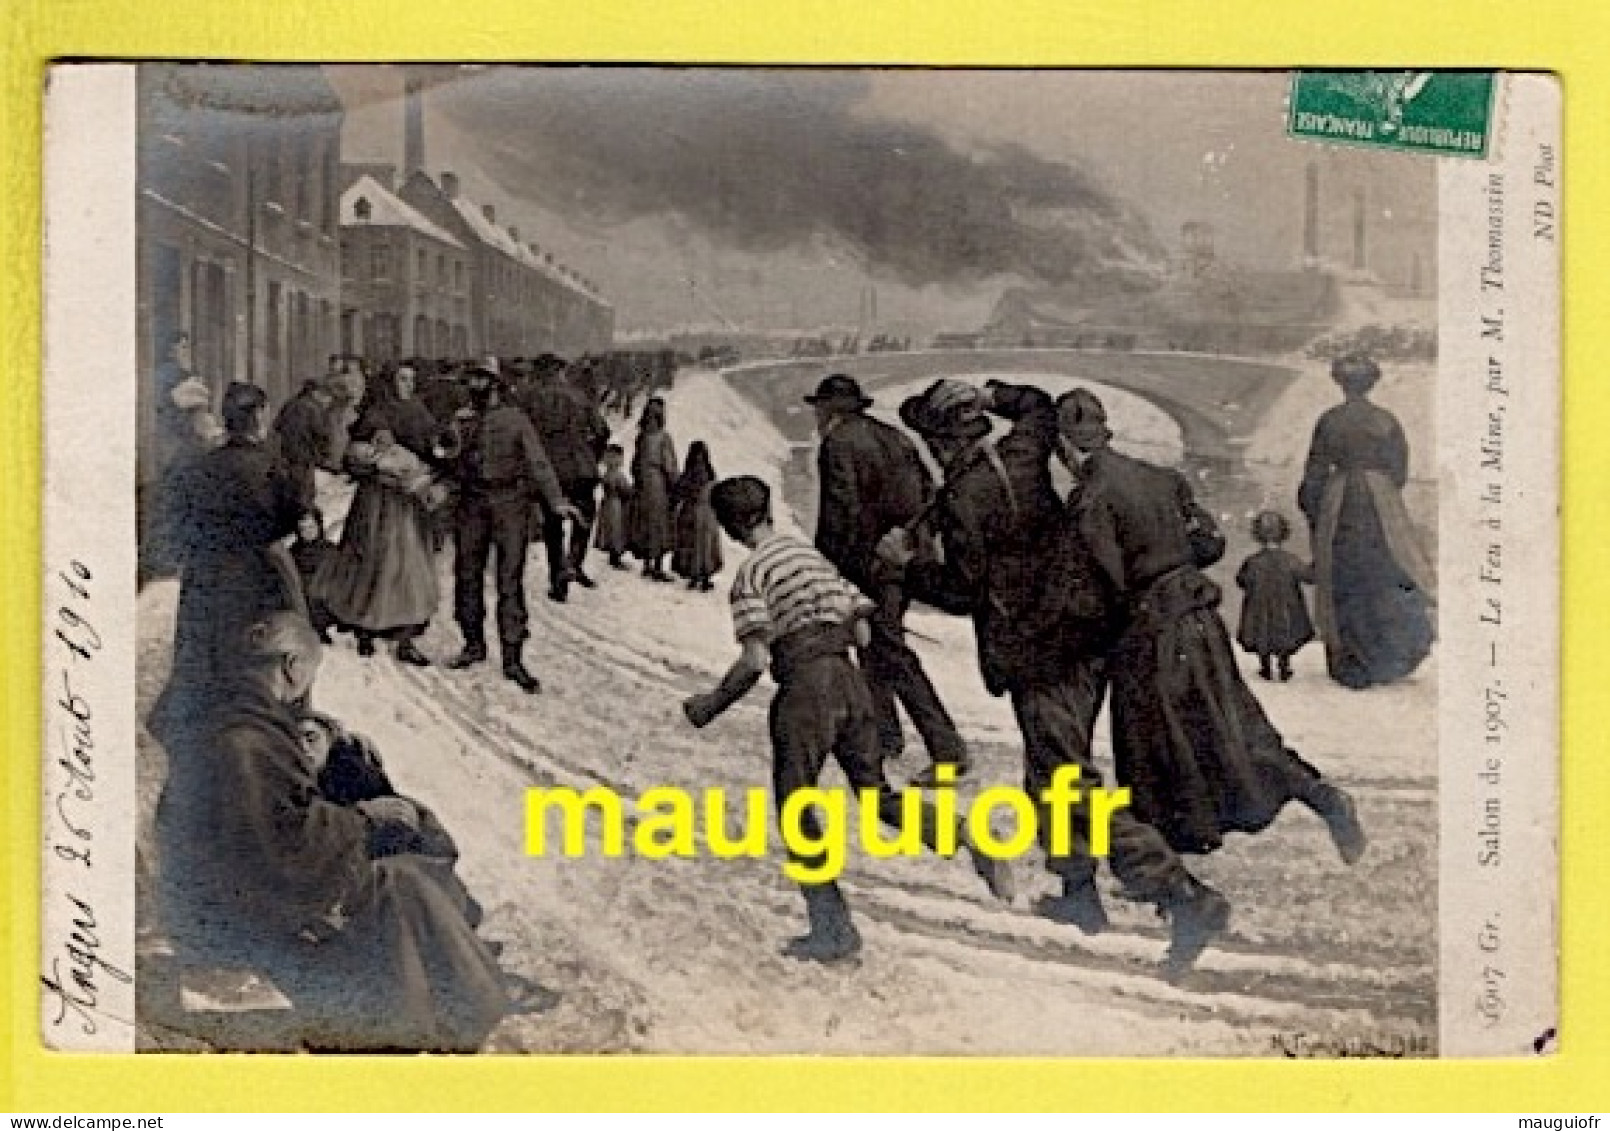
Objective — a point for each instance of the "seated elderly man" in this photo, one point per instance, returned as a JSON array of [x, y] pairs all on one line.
[[260, 867]]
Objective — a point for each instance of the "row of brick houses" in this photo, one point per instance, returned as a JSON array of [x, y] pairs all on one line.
[[428, 273], [254, 240]]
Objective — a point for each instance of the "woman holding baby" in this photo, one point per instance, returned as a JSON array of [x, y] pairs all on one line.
[[381, 583]]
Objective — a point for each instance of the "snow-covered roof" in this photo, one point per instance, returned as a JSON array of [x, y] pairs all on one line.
[[485, 230], [386, 210], [494, 236]]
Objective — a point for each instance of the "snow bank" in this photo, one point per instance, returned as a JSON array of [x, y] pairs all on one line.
[[742, 441]]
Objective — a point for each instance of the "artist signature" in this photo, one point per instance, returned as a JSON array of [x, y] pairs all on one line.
[[1301, 1046]]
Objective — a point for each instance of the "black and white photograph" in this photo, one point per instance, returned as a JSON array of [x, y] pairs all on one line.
[[840, 561]]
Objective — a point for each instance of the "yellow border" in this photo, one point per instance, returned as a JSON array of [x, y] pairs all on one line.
[[1543, 34]]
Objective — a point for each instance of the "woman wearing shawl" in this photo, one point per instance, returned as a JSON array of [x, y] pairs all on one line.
[[1373, 583], [382, 580], [698, 538], [654, 472]]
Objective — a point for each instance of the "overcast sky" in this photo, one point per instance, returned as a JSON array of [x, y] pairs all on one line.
[[777, 197]]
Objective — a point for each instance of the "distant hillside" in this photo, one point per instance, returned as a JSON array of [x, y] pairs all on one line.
[[1256, 311]]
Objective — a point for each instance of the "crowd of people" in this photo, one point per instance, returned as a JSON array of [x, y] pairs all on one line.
[[282, 838], [282, 841], [1101, 596]]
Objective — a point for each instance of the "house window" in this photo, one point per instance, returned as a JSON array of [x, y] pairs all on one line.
[[272, 330], [302, 166], [271, 171], [380, 262]]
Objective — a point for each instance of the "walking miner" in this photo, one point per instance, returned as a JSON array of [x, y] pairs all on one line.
[[1189, 737], [501, 464], [1015, 565]]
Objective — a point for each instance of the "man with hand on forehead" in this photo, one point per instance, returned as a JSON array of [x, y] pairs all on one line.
[[1043, 619]]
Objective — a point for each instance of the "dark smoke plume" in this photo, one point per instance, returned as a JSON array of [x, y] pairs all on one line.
[[767, 160]]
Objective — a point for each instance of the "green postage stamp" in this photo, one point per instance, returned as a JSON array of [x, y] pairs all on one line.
[[1448, 113]]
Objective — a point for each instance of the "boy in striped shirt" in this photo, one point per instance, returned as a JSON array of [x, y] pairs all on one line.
[[792, 608]]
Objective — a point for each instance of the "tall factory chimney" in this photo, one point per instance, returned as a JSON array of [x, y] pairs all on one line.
[[1311, 216], [1358, 229], [413, 128]]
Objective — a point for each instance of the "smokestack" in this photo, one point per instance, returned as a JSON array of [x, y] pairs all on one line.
[[413, 128], [1311, 216], [1358, 229], [450, 185]]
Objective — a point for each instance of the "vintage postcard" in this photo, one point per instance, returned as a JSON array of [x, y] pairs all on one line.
[[565, 559]]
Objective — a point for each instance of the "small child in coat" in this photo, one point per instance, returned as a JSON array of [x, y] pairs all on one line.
[[309, 551], [611, 537], [1274, 614]]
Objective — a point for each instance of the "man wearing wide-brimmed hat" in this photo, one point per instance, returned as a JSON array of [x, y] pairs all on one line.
[[1015, 564], [872, 480]]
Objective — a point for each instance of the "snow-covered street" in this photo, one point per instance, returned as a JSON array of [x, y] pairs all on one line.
[[681, 956]]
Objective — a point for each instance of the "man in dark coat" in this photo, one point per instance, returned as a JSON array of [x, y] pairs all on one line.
[[574, 435], [232, 509], [872, 480], [304, 432], [442, 392], [502, 470], [1189, 737], [258, 867], [1041, 615]]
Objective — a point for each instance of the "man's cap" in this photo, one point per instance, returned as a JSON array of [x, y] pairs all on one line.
[[840, 390], [947, 410], [1082, 418]]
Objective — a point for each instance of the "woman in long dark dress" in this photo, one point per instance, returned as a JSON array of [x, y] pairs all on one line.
[[232, 508], [654, 473], [698, 539], [1374, 586], [382, 580]]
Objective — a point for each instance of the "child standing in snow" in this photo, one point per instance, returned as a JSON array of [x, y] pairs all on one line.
[[791, 608], [1274, 615], [697, 555], [611, 537], [309, 551]]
